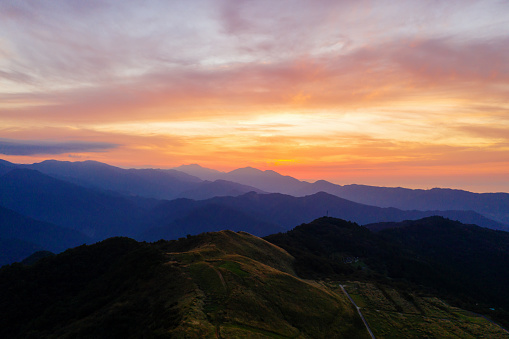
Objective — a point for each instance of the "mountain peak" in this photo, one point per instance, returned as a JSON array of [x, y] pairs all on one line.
[[246, 170], [190, 166]]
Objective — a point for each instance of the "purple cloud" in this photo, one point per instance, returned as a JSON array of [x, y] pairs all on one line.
[[33, 147]]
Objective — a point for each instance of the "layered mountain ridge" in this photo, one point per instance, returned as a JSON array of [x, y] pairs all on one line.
[[81, 197]]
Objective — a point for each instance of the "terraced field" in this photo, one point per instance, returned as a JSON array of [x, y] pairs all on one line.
[[394, 314]]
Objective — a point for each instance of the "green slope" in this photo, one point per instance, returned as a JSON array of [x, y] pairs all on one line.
[[222, 284], [461, 263]]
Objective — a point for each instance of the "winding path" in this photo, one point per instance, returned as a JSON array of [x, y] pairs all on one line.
[[358, 311]]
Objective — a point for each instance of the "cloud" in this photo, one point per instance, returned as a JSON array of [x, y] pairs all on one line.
[[33, 147], [487, 132]]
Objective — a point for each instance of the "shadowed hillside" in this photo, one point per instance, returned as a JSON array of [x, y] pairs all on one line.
[[213, 285], [20, 236], [461, 262]]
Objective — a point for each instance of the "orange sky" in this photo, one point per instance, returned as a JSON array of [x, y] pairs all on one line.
[[413, 94]]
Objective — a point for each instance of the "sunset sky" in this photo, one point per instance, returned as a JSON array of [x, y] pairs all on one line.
[[388, 93]]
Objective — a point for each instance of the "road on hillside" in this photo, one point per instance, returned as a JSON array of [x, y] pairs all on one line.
[[358, 311]]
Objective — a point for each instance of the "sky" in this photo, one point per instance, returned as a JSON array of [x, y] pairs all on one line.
[[388, 93]]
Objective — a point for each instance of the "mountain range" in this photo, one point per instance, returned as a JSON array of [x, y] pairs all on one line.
[[196, 182], [97, 201], [492, 205], [427, 270]]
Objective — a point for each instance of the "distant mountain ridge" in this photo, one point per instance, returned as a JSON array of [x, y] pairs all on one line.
[[149, 183], [83, 197], [21, 236], [192, 181], [282, 212], [94, 213], [492, 205]]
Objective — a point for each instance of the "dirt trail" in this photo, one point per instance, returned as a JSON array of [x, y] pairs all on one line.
[[358, 311]]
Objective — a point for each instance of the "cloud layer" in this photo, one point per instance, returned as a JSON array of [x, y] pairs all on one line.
[[319, 88], [33, 147]]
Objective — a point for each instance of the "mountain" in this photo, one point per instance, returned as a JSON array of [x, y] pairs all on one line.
[[153, 183], [201, 172], [210, 218], [15, 250], [267, 181], [491, 205], [218, 188], [463, 263], [215, 285], [28, 235], [285, 211], [234, 285], [6, 166], [94, 213], [148, 183], [186, 181]]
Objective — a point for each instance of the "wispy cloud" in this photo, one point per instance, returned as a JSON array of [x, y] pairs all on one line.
[[352, 84], [33, 147]]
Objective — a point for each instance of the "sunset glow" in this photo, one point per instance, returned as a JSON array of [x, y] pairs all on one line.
[[410, 93]]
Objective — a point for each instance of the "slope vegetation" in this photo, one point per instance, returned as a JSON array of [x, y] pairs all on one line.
[[462, 263], [222, 284]]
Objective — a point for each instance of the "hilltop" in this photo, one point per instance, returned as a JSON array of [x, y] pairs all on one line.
[[222, 284]]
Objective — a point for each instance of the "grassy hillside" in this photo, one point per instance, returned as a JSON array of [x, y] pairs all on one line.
[[393, 313], [222, 284], [462, 263], [234, 285]]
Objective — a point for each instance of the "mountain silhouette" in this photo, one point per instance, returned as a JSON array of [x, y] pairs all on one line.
[[491, 205], [94, 213], [148, 183], [464, 262], [218, 188], [209, 218], [281, 211], [201, 172], [45, 235]]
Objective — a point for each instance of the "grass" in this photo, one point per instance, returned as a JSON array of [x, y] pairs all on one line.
[[246, 289], [234, 267], [395, 314]]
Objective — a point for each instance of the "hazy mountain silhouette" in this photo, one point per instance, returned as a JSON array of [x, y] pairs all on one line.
[[15, 250], [492, 205], [25, 235], [91, 212], [279, 211], [201, 172], [149, 183], [268, 181], [171, 184], [218, 188], [210, 217], [153, 183], [100, 214], [6, 166]]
